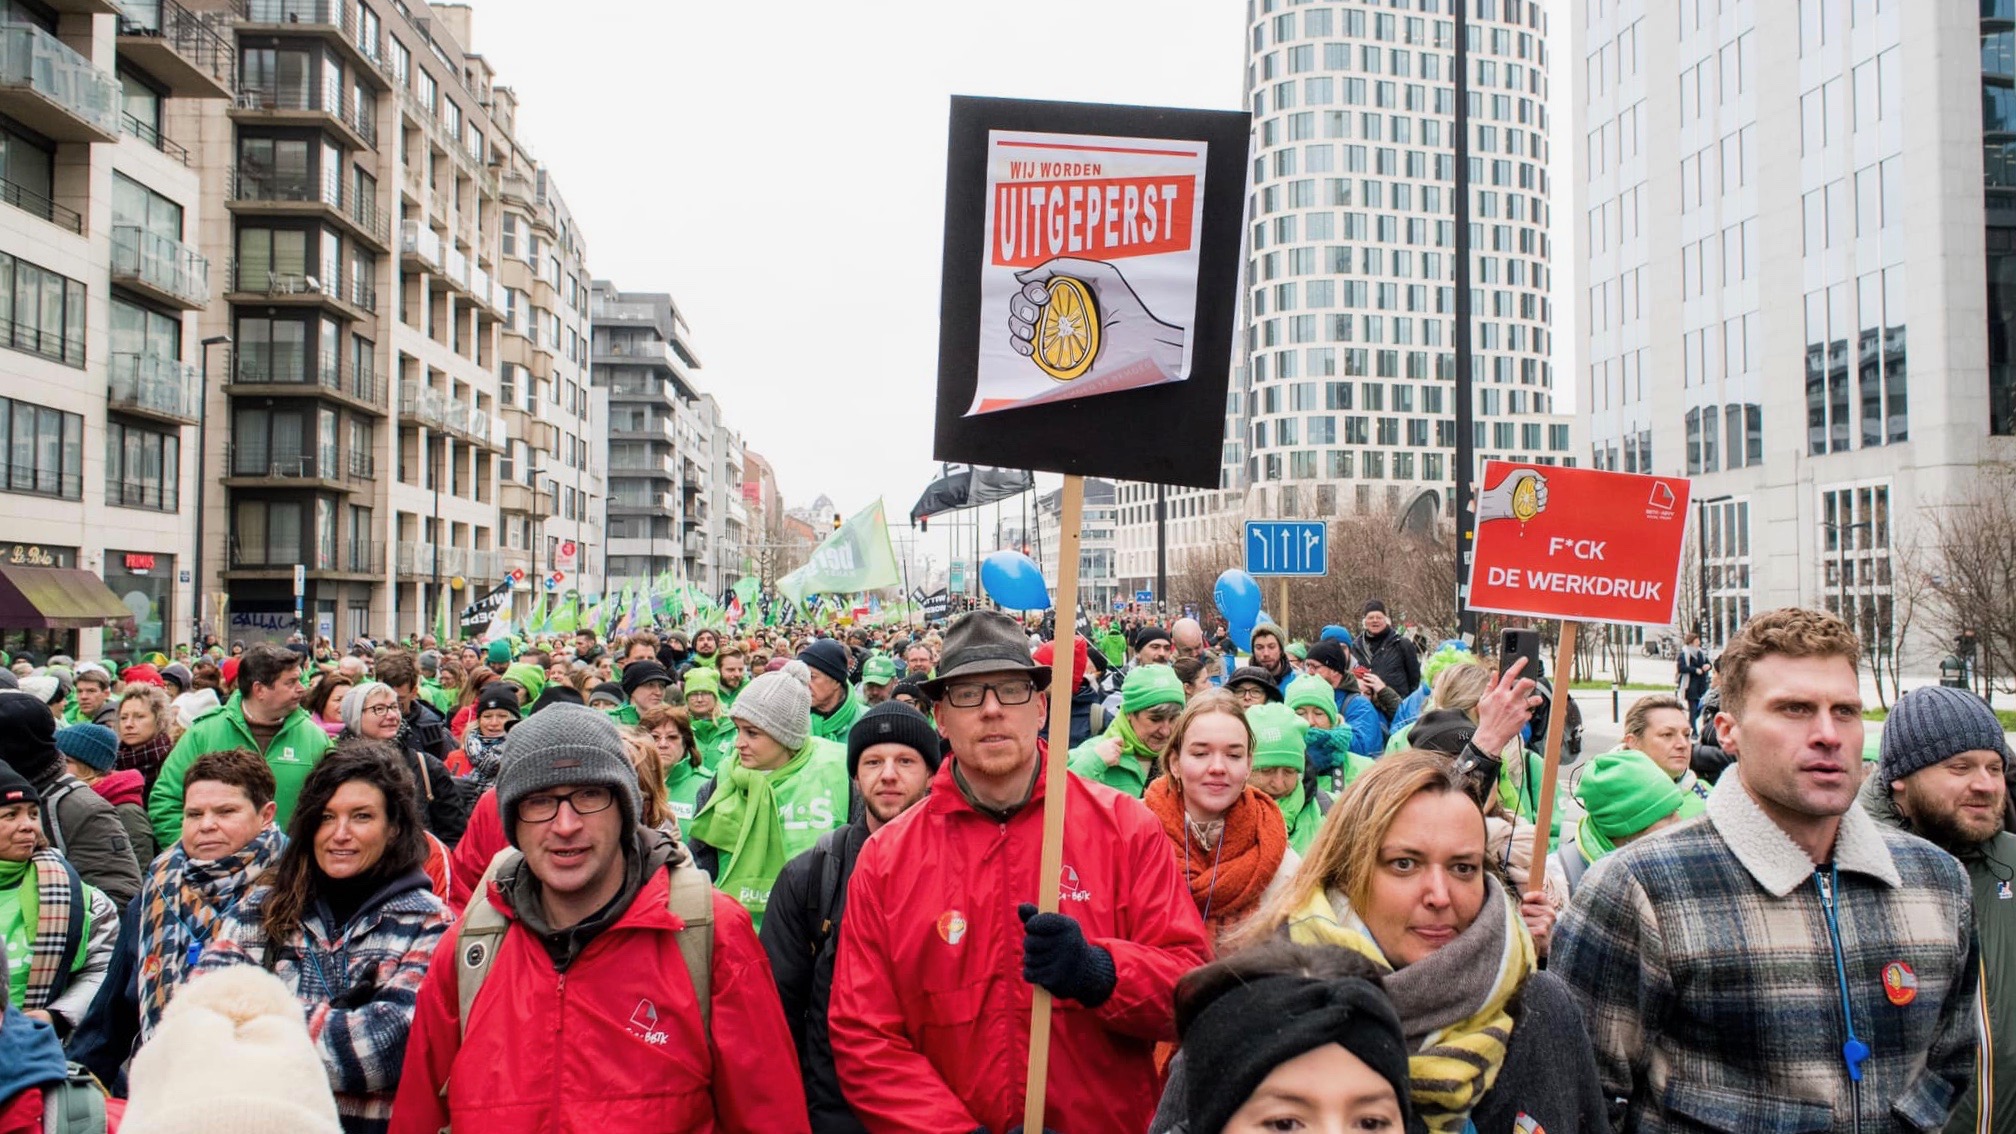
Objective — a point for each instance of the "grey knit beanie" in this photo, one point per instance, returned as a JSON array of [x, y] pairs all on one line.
[[780, 704], [565, 745], [1932, 725]]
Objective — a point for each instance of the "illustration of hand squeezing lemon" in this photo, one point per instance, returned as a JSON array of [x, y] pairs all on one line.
[[1520, 496], [1074, 318]]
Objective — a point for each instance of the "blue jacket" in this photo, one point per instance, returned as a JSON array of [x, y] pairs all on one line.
[[1410, 709], [1368, 728]]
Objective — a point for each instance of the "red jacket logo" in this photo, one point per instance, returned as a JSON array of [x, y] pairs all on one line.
[[644, 1024], [1068, 889]]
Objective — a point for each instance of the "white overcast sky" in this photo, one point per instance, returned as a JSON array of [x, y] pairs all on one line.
[[779, 168]]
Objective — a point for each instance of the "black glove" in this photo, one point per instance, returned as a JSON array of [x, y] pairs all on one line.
[[1056, 955], [359, 994]]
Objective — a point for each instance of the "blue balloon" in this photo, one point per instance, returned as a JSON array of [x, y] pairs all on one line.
[[1242, 637], [1013, 580], [1237, 595]]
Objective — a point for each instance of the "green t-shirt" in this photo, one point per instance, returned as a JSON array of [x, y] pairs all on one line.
[[17, 936]]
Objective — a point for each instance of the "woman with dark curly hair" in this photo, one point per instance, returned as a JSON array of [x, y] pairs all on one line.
[[349, 920]]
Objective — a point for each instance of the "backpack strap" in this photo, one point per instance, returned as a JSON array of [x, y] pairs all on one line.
[[482, 933], [75, 1105], [690, 898], [51, 825]]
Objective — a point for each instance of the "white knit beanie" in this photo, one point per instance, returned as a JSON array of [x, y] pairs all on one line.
[[230, 1056], [780, 704]]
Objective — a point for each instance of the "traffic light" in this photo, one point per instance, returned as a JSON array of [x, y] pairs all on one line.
[[923, 523], [836, 521]]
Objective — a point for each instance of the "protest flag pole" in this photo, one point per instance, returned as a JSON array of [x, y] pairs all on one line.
[[1557, 723], [1071, 507]]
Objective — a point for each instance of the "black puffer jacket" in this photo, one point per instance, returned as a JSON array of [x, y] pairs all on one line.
[[801, 933]]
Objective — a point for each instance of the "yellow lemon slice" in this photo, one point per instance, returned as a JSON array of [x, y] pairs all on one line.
[[1525, 500], [1067, 334]]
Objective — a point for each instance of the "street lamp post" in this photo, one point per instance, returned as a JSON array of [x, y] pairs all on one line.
[[202, 480]]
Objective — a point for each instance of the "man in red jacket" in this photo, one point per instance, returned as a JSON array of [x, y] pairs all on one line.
[[930, 1009], [588, 1022]]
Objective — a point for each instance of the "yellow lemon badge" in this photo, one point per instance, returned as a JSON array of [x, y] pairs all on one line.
[[1067, 333]]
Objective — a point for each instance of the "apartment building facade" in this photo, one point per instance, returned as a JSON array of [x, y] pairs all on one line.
[[100, 276], [364, 431]]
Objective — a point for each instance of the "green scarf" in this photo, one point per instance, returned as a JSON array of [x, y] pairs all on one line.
[[1303, 817], [836, 726], [740, 820], [1131, 747], [1591, 842]]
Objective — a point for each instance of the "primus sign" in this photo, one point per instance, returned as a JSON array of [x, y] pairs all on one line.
[[1577, 544]]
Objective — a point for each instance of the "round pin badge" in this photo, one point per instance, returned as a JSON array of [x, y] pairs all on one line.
[[1900, 984], [952, 927]]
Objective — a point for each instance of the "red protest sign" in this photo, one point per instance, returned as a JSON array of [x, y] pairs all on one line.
[[1568, 543]]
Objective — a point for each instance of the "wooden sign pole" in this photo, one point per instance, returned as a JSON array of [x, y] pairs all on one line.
[[1071, 509], [1284, 611], [1557, 721]]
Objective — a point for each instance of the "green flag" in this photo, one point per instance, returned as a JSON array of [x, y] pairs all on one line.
[[535, 619], [858, 557], [441, 620], [746, 588]]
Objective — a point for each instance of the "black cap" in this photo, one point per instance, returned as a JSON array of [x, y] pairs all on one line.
[[1372, 605], [893, 722], [14, 788], [27, 735], [1147, 634], [610, 690], [1444, 730], [638, 674], [1253, 674], [828, 657], [498, 695], [1332, 654]]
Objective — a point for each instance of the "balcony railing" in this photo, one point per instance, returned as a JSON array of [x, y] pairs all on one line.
[[343, 107], [330, 13], [259, 365], [364, 557], [423, 402], [259, 185], [280, 463], [355, 291], [151, 495], [162, 263], [193, 37], [28, 200], [150, 134], [32, 58], [416, 239], [360, 466], [153, 384]]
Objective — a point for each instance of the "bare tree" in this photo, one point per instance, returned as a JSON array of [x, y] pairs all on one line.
[[1971, 573]]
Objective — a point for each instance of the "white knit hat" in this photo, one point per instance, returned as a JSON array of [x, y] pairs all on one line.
[[780, 704], [230, 1056]]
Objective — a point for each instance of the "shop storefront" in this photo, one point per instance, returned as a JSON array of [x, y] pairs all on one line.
[[145, 584], [45, 599]]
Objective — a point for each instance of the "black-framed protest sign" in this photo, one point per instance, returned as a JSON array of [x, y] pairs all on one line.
[[1091, 275]]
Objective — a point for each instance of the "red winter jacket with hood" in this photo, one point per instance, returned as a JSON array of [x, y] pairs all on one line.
[[930, 1014], [612, 1044]]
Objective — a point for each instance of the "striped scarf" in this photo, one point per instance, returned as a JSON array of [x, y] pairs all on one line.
[[1452, 1003], [145, 757], [181, 901], [44, 882]]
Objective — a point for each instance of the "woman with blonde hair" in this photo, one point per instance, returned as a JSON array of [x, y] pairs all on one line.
[[1401, 875], [655, 812], [1229, 837], [146, 719]]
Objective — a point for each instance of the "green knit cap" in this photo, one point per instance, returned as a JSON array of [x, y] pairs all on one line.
[[1277, 737], [1148, 686], [1625, 792], [1310, 689], [528, 677], [700, 679], [497, 653]]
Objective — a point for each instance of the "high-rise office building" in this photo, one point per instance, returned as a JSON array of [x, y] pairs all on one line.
[[1343, 399], [100, 277], [1770, 195]]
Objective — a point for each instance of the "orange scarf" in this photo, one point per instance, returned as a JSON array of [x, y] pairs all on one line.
[[1226, 881]]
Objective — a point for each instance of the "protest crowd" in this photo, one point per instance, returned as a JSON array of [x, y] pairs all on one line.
[[784, 878]]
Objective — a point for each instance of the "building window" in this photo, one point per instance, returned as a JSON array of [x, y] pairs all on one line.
[[43, 450], [45, 311], [142, 468]]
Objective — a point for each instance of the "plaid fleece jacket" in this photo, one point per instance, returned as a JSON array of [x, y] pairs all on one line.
[[378, 960], [1704, 966]]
